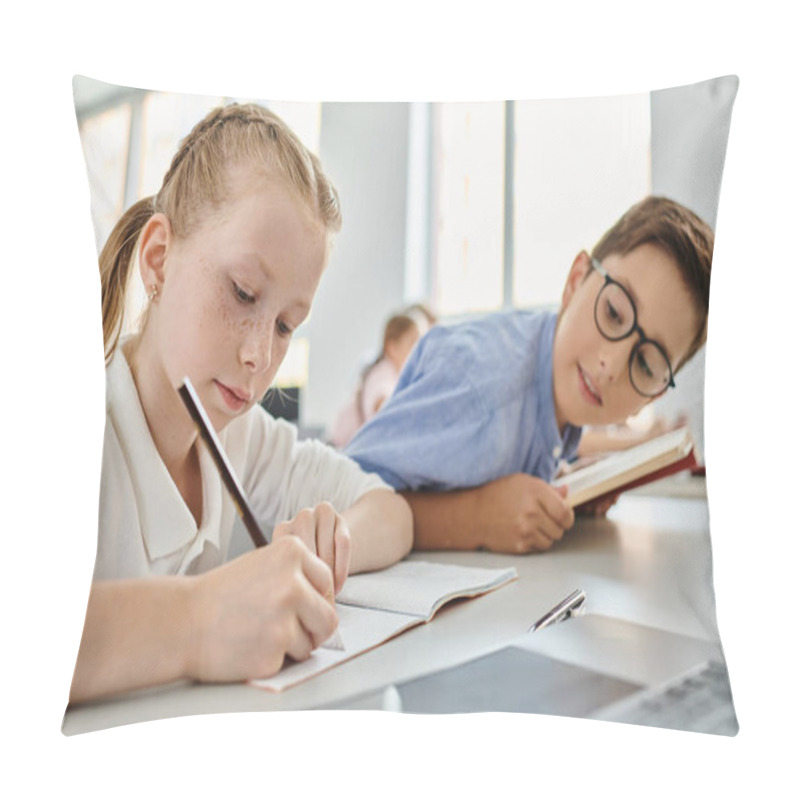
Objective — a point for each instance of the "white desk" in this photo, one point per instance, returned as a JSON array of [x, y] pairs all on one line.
[[648, 562]]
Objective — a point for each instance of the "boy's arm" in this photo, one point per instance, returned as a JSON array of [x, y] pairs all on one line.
[[513, 514]]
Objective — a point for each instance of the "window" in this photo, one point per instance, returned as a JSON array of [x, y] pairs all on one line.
[[468, 165], [520, 188], [105, 148], [579, 164]]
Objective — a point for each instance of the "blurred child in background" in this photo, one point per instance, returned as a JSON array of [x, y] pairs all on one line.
[[376, 384]]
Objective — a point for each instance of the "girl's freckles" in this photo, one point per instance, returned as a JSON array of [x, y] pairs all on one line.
[[223, 312]]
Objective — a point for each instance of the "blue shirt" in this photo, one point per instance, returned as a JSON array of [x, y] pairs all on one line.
[[474, 402]]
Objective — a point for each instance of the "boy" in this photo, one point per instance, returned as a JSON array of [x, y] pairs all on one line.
[[484, 410]]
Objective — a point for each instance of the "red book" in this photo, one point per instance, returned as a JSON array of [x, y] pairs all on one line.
[[615, 473]]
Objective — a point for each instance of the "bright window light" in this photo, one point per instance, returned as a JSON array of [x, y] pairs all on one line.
[[579, 165], [105, 146], [468, 207]]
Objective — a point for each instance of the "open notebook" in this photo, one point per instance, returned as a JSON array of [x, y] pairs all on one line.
[[376, 606]]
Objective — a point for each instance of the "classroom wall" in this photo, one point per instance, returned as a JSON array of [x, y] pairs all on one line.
[[364, 149], [689, 139]]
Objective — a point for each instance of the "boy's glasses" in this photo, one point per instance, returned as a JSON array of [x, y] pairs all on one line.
[[615, 315]]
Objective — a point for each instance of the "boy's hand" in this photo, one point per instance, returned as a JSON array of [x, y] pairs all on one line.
[[598, 507], [252, 612], [324, 533], [524, 514]]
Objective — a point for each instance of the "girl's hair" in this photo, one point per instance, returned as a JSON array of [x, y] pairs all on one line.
[[396, 327], [195, 184]]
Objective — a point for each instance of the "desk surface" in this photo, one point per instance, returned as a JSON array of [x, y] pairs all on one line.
[[649, 562]]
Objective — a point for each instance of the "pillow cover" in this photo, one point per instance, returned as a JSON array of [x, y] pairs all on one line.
[[469, 208]]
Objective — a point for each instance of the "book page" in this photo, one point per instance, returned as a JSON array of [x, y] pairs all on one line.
[[419, 587], [628, 464], [361, 629]]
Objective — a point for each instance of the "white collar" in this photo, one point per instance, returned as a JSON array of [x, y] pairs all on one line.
[[167, 524]]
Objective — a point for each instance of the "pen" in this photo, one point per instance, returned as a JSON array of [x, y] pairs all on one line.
[[198, 414], [563, 610]]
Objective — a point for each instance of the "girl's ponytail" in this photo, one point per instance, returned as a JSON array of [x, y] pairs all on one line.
[[115, 265]]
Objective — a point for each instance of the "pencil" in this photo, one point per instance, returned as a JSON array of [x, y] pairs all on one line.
[[198, 414]]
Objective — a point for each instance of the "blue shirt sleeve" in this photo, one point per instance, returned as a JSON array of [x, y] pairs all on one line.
[[435, 432]]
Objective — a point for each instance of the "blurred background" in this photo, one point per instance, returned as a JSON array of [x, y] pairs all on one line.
[[465, 207]]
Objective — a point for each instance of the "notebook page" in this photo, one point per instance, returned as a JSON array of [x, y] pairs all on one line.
[[361, 629], [419, 587]]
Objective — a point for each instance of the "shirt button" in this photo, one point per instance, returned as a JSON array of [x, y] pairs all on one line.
[[557, 452]]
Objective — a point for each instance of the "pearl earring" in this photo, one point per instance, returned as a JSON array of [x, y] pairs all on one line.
[[151, 294]]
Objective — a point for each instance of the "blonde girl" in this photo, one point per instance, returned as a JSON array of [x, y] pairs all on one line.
[[230, 251]]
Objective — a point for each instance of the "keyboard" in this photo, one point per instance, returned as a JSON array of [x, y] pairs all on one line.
[[699, 700]]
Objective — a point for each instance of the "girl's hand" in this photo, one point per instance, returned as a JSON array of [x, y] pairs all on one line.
[[252, 612], [326, 534]]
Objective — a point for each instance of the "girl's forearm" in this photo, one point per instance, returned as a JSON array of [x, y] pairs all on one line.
[[381, 530], [137, 634]]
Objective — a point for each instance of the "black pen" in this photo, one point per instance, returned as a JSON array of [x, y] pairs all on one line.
[[564, 610], [198, 414]]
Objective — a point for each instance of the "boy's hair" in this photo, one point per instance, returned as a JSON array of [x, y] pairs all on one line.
[[195, 184], [682, 235]]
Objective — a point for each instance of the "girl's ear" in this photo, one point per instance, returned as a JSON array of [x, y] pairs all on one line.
[[154, 242], [577, 274]]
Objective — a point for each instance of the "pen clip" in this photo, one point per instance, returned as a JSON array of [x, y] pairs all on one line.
[[571, 605]]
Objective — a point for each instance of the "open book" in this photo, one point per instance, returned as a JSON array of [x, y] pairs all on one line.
[[376, 606], [617, 472]]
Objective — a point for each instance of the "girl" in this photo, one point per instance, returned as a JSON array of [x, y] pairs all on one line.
[[400, 334], [230, 251]]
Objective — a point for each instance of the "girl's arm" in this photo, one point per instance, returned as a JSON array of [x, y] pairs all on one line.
[[233, 623], [376, 531], [381, 530], [136, 634], [514, 514]]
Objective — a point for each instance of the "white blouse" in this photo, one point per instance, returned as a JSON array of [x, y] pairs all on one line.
[[146, 528]]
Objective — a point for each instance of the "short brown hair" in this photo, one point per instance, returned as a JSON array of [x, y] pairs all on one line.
[[681, 234]]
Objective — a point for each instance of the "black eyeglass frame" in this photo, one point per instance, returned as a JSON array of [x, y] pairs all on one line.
[[635, 328]]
